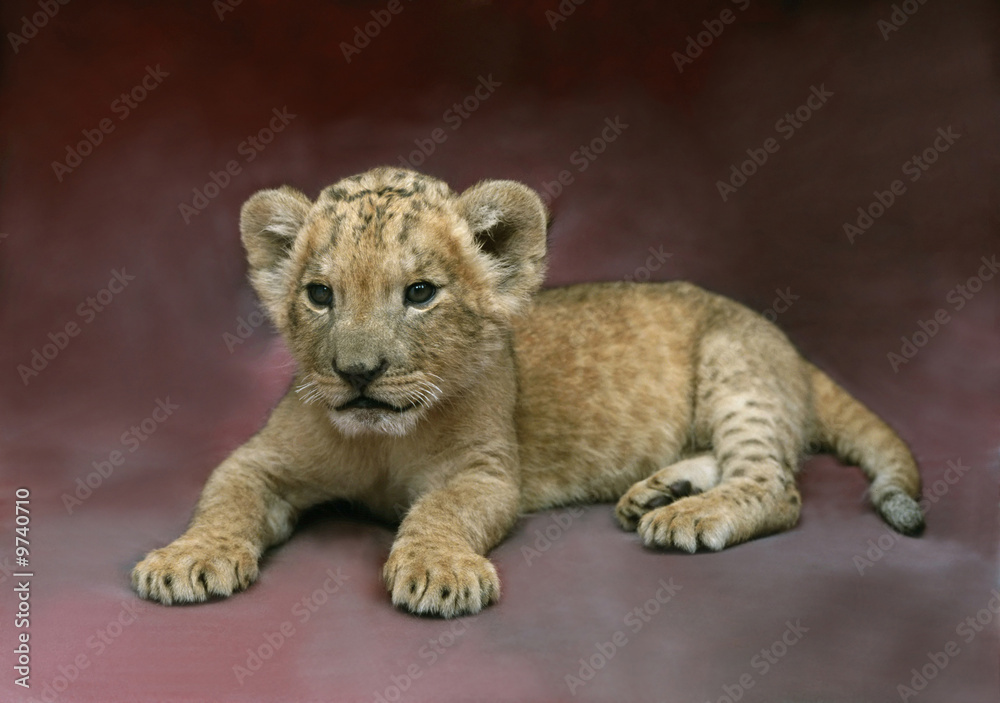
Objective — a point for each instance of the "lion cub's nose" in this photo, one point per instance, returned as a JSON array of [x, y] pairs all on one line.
[[360, 376]]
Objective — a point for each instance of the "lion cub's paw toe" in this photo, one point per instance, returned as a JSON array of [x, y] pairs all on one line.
[[432, 581], [648, 495], [687, 525], [190, 571]]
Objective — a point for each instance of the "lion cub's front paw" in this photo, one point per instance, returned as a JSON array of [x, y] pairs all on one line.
[[433, 580], [189, 570]]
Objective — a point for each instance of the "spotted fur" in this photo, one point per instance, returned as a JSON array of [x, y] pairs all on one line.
[[491, 399]]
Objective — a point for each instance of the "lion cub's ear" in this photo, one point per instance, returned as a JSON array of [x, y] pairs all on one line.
[[508, 220], [269, 223]]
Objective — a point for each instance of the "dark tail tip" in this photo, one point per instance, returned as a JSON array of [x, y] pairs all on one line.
[[902, 513]]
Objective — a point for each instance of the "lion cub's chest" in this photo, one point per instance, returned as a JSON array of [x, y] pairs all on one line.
[[384, 476]]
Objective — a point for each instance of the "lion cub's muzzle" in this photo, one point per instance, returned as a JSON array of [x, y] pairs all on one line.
[[363, 402], [359, 376]]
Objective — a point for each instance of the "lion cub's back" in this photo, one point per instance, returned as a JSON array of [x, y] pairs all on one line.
[[606, 377]]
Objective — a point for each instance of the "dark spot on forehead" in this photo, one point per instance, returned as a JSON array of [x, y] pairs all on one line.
[[330, 226], [423, 258], [334, 193], [342, 195]]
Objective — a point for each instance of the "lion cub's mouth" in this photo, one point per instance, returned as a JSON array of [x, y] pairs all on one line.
[[363, 402]]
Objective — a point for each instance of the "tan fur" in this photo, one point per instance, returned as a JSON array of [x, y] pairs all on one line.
[[689, 409]]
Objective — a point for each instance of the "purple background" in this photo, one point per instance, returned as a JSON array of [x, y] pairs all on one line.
[[655, 187]]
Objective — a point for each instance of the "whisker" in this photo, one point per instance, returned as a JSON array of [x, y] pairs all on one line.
[[301, 388], [312, 396], [414, 398], [434, 395], [432, 388], [419, 394]]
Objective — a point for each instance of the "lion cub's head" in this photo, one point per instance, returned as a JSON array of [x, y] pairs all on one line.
[[392, 291]]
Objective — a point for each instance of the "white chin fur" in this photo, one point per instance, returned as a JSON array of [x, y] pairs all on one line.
[[360, 422]]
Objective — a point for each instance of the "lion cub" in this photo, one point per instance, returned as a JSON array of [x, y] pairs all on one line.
[[432, 375]]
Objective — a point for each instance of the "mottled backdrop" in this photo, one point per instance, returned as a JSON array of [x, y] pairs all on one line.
[[831, 164]]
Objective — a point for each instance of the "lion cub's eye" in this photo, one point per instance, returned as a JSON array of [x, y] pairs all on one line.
[[420, 293], [320, 294]]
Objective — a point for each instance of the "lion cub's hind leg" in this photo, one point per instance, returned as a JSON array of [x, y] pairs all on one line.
[[684, 478], [753, 401]]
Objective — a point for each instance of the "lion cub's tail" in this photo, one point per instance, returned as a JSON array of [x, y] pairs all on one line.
[[858, 436]]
